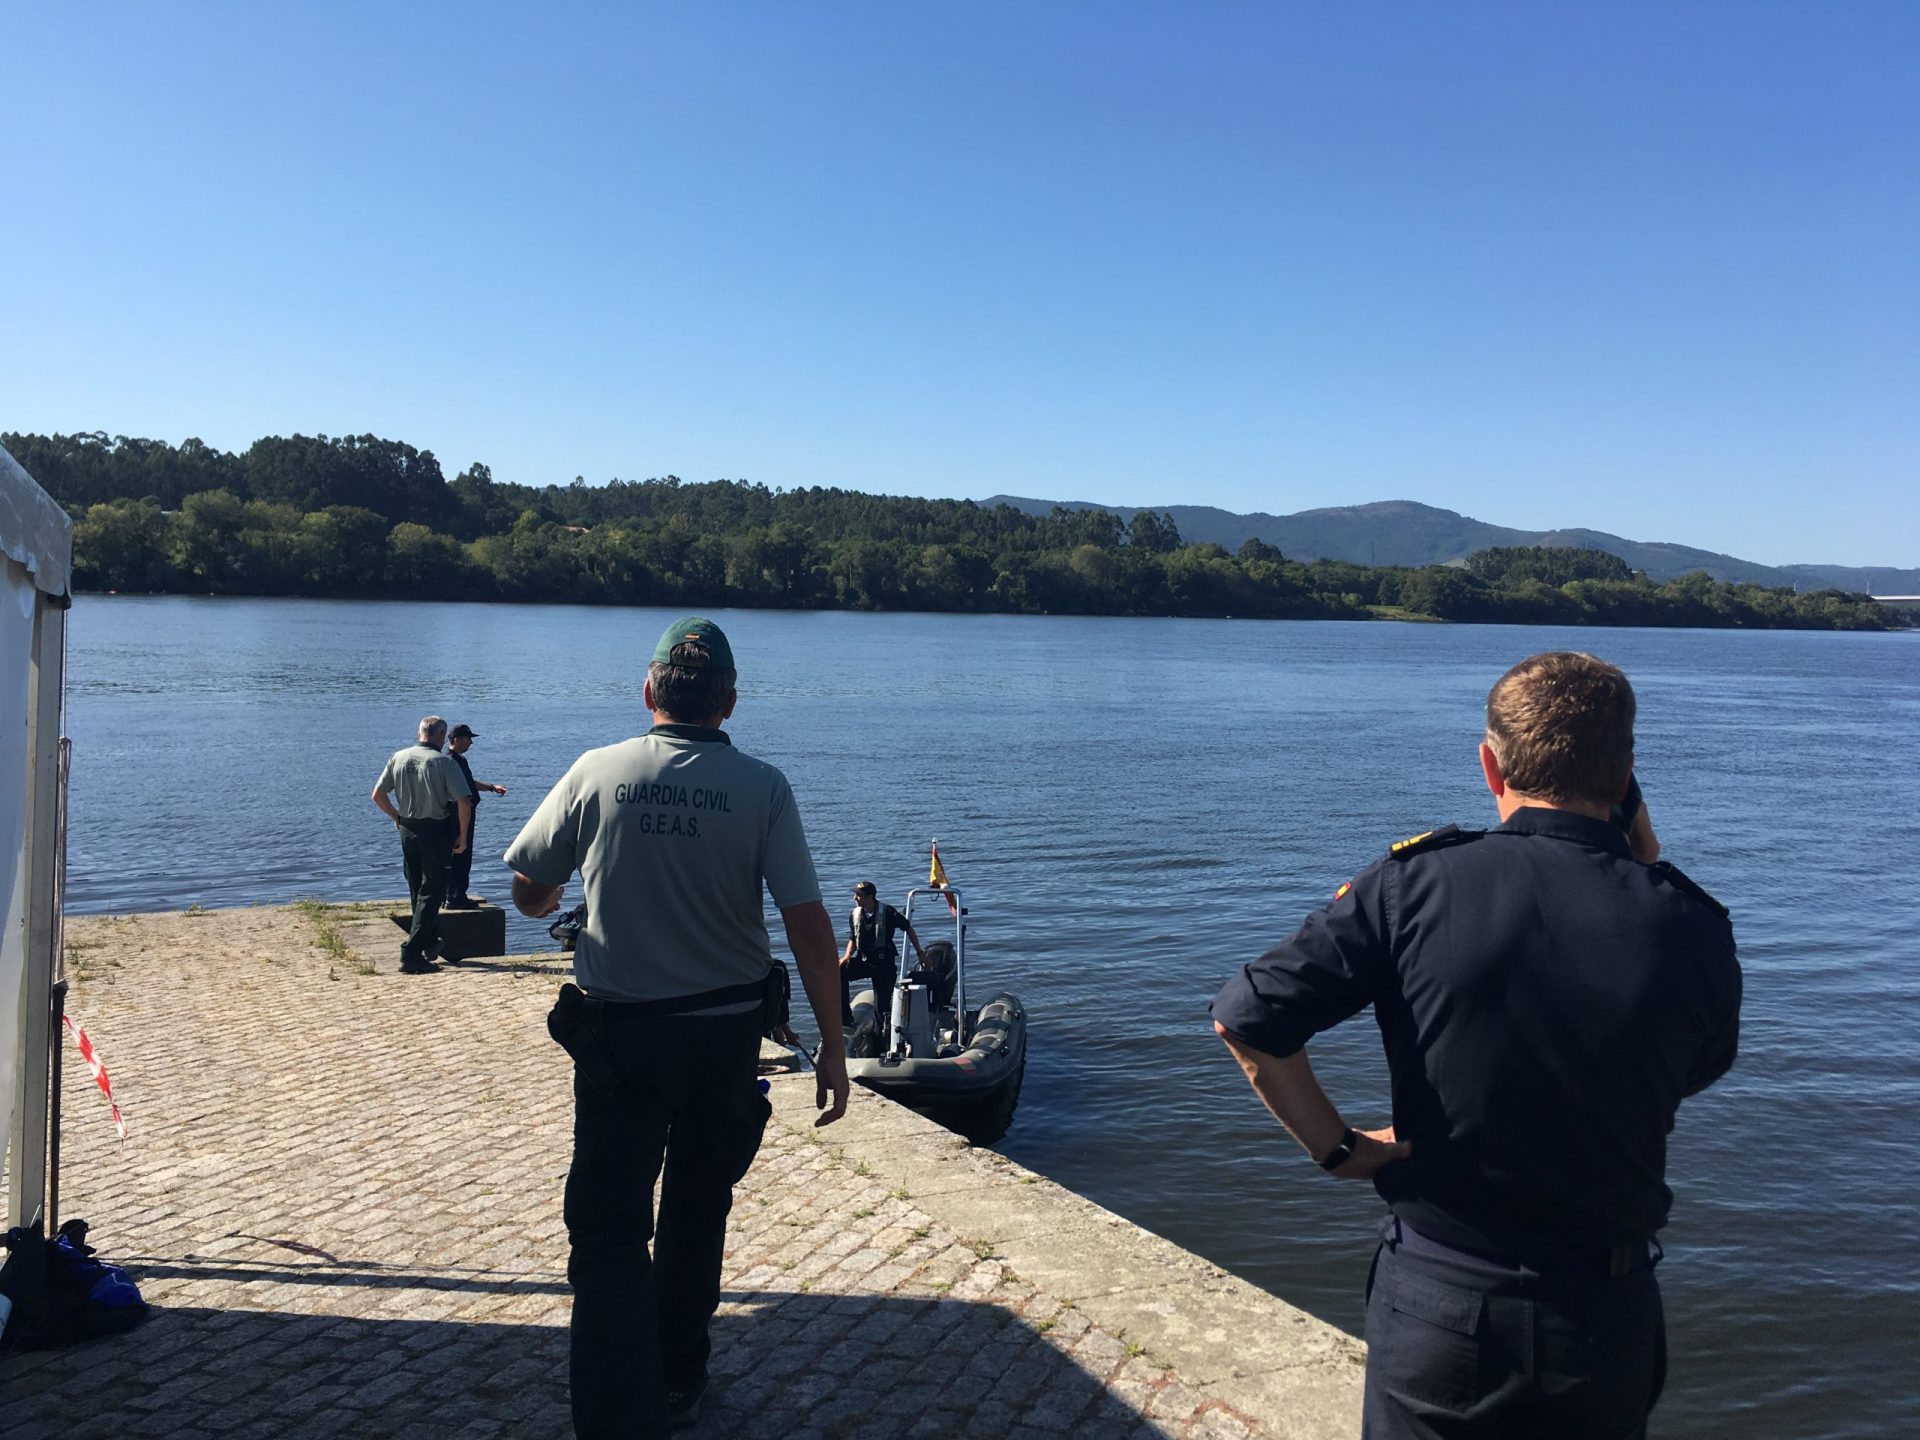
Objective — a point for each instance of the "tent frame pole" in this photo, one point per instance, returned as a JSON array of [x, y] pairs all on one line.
[[33, 1114]]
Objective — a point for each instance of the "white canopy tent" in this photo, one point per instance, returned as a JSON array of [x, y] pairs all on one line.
[[36, 553]]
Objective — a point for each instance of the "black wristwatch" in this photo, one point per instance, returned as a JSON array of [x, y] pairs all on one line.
[[1340, 1153]]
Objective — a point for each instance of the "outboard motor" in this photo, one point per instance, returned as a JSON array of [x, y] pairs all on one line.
[[912, 1030], [940, 972]]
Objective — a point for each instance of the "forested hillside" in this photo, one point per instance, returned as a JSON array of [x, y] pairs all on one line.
[[362, 516], [1405, 532]]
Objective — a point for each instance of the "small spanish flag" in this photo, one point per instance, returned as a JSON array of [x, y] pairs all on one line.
[[937, 875], [1341, 893]]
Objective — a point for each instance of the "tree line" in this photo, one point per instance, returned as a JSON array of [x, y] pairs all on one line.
[[365, 517]]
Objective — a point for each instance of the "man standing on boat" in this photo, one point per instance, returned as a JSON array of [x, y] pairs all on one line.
[[1546, 1001], [423, 792], [674, 834], [871, 951], [460, 740]]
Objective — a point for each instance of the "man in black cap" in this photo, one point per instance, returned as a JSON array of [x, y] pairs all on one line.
[[460, 740], [676, 835], [871, 952], [1546, 1000]]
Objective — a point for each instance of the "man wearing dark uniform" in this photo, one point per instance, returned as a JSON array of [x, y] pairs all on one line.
[[1546, 1002], [674, 835], [871, 952], [423, 792], [460, 740]]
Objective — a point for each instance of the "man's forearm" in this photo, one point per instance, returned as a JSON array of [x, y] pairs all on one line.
[[532, 898], [1288, 1087], [386, 805], [810, 936], [1641, 839]]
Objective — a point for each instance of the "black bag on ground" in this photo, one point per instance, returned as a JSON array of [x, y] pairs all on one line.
[[61, 1295]]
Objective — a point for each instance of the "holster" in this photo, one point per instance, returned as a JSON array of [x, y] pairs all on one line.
[[570, 1022], [777, 999]]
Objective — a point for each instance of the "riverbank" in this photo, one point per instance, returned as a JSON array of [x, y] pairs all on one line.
[[341, 1191]]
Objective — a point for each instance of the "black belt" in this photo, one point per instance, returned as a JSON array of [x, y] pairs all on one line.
[[406, 823], [576, 1019], [1611, 1263], [681, 1004]]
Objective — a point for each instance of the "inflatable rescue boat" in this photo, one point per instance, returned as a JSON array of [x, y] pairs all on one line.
[[956, 1064]]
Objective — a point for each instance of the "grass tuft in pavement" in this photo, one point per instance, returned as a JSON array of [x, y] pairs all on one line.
[[326, 934]]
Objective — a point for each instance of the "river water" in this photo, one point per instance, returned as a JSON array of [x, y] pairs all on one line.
[[1133, 808]]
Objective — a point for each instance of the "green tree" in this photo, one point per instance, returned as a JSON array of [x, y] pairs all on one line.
[[123, 545], [342, 551], [1155, 533], [1511, 565]]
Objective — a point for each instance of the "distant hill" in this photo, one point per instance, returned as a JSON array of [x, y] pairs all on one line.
[[1405, 532]]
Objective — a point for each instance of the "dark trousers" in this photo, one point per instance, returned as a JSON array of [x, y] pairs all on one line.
[[426, 850], [881, 972], [687, 1097], [460, 872], [1461, 1348]]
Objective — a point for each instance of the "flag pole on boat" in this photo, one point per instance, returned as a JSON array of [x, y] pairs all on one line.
[[937, 875]]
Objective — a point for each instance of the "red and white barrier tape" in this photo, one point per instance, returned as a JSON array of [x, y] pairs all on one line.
[[99, 1070]]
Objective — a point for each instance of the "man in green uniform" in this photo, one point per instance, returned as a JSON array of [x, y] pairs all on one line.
[[674, 834], [427, 797]]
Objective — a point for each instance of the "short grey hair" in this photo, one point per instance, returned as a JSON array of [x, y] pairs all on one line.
[[432, 727]]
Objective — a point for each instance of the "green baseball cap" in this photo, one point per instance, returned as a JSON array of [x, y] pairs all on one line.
[[695, 630]]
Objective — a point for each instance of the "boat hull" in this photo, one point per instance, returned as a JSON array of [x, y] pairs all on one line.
[[973, 1092]]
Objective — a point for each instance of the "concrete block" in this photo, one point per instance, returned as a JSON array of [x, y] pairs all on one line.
[[467, 934]]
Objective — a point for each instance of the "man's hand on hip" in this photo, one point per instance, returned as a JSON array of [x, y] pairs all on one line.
[[1376, 1150]]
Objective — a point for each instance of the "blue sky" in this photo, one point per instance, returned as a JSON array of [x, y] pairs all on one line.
[[1648, 269]]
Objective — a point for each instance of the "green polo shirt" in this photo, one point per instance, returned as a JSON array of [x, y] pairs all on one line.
[[424, 783], [674, 834]]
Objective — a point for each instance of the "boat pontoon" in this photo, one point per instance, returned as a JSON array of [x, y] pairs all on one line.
[[955, 1064]]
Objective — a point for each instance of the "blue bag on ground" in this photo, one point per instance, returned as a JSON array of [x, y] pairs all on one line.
[[61, 1294]]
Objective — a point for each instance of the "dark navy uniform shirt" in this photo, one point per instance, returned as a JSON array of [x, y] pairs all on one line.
[[467, 770], [1545, 1002]]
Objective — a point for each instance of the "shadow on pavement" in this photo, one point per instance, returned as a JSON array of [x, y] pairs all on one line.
[[372, 1277], [785, 1364]]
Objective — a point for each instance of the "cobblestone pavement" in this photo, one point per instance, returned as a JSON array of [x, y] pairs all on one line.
[[342, 1195]]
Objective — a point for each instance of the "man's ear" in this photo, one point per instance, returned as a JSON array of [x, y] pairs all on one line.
[[646, 695], [733, 699], [1490, 767]]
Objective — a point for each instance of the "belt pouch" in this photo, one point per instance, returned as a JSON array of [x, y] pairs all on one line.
[[571, 1026]]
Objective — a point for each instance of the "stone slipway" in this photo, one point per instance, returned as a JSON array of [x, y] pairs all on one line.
[[342, 1192]]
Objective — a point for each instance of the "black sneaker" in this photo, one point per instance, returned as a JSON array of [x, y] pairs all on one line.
[[683, 1406], [461, 902], [419, 967]]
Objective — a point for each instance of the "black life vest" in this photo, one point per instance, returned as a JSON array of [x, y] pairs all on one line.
[[873, 936]]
